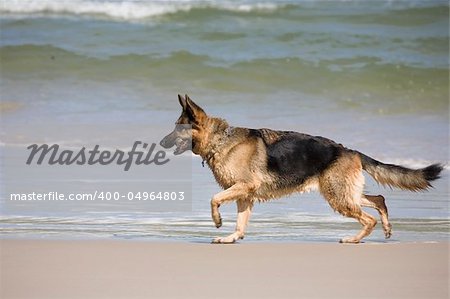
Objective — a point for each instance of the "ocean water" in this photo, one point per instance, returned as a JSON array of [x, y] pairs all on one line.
[[373, 75]]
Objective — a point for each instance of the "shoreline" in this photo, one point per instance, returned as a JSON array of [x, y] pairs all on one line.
[[129, 269]]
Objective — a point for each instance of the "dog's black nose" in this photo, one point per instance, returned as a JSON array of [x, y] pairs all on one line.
[[167, 142], [163, 143]]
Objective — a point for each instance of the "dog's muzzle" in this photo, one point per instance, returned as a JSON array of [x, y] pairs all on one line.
[[181, 144]]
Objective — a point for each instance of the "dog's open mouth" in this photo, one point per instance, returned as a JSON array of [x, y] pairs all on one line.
[[182, 145]]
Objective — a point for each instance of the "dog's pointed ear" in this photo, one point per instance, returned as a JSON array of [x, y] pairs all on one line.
[[182, 101], [193, 109]]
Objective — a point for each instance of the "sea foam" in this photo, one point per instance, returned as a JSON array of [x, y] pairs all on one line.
[[125, 10]]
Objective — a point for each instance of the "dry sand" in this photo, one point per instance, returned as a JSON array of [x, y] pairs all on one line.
[[114, 269]]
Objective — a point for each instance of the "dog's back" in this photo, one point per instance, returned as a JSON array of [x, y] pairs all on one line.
[[261, 164]]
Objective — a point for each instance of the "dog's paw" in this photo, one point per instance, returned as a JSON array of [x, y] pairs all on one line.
[[349, 240], [217, 220], [388, 231], [226, 240], [230, 239], [222, 241]]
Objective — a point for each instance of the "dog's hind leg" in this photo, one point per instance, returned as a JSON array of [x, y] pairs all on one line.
[[347, 206], [342, 186], [367, 221], [244, 207], [378, 203]]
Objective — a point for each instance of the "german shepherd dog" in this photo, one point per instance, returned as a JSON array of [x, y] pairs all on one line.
[[261, 164]]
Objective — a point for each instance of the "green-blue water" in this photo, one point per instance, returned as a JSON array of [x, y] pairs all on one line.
[[373, 75]]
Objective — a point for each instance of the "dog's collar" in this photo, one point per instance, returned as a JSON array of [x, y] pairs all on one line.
[[207, 158], [228, 133]]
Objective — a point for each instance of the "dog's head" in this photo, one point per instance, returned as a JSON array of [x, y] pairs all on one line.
[[187, 127]]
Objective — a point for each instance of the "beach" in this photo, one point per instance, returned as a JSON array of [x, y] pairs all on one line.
[[104, 75], [111, 269]]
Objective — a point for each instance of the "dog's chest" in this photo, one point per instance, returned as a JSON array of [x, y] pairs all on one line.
[[224, 173]]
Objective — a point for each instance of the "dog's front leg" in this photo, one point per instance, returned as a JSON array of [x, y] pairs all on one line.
[[244, 207], [215, 214], [233, 193]]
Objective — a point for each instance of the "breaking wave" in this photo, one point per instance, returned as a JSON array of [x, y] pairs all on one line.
[[127, 10]]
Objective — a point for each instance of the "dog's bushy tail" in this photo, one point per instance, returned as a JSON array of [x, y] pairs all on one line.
[[399, 176]]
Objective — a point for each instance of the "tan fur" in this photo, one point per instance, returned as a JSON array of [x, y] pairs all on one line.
[[412, 180], [239, 163], [342, 185], [377, 202]]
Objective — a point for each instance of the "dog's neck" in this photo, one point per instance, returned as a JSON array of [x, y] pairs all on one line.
[[218, 131]]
